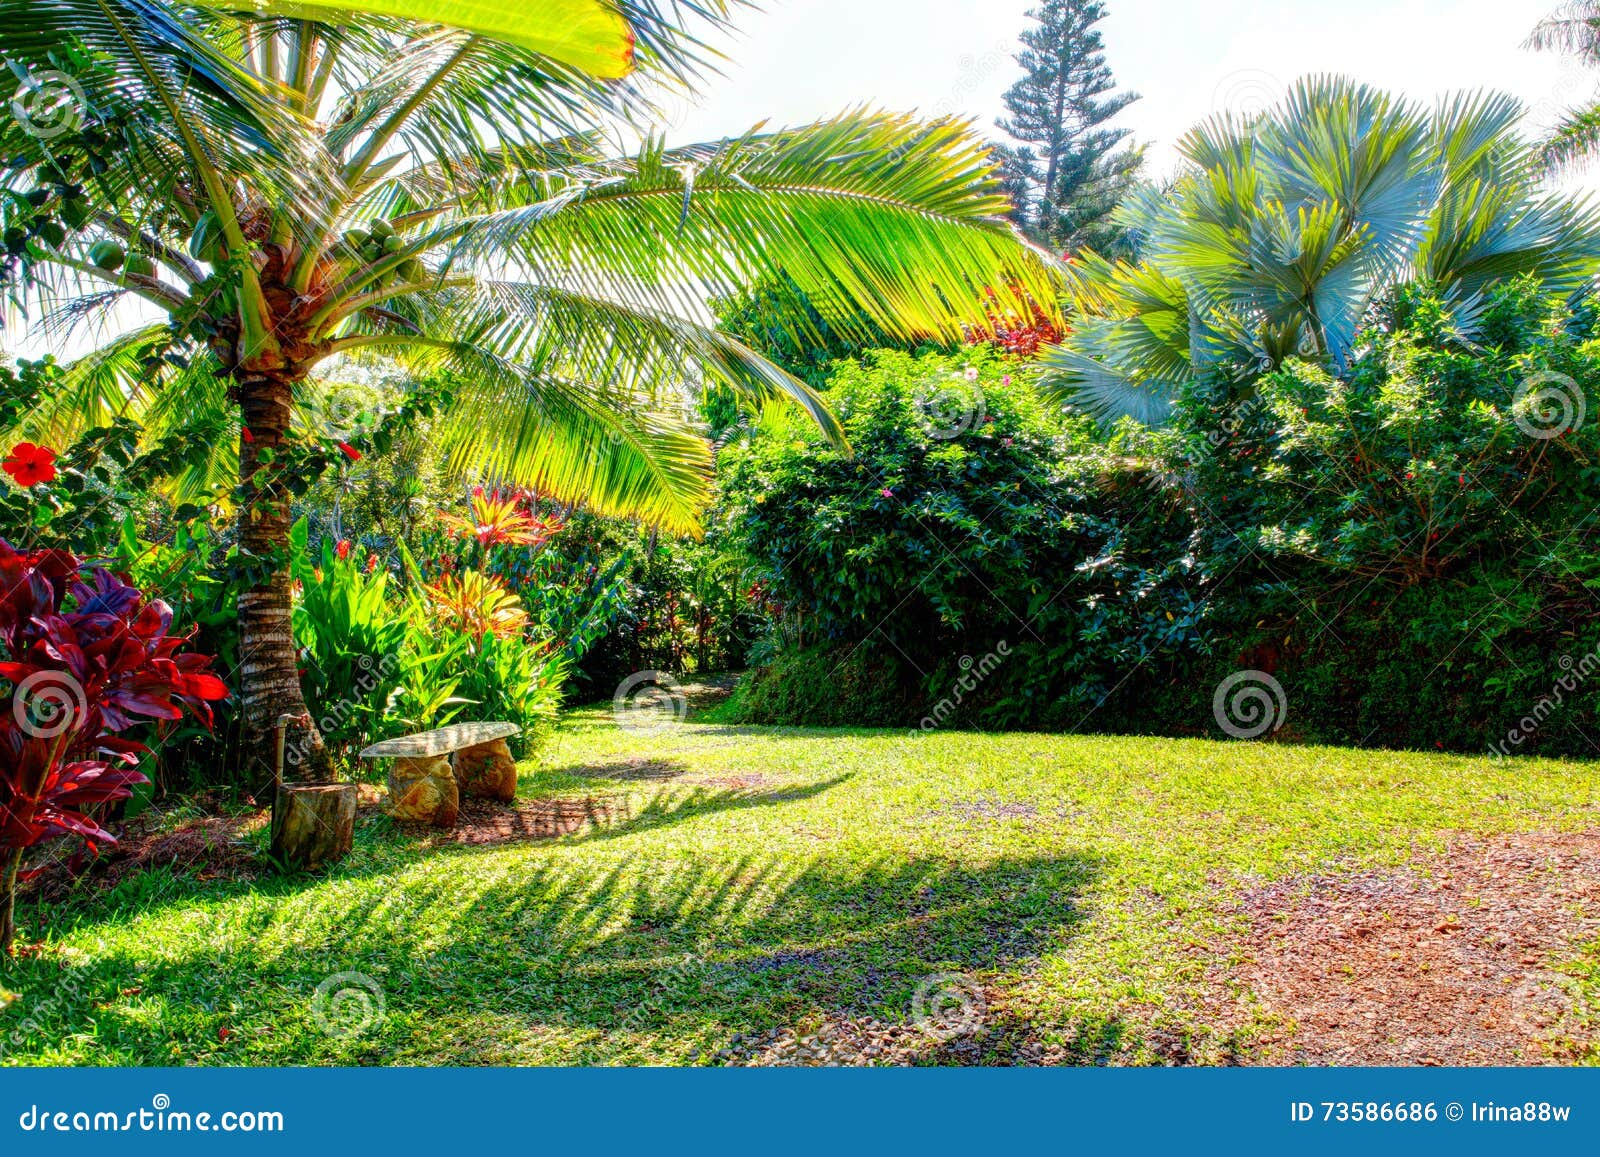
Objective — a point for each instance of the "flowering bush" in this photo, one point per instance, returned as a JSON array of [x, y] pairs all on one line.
[[476, 605], [85, 657], [503, 520]]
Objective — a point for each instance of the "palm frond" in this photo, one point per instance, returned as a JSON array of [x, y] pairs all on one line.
[[872, 217], [1288, 227], [1572, 28], [1573, 143]]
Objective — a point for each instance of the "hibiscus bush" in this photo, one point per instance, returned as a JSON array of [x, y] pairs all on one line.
[[84, 658], [78, 495]]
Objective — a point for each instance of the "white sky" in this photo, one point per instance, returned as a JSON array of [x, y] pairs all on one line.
[[804, 59]]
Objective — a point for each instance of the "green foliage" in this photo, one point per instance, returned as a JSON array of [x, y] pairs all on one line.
[[101, 479], [353, 641], [1424, 455], [1407, 545], [377, 663], [970, 515], [780, 322]]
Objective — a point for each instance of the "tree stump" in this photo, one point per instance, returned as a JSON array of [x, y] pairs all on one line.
[[487, 771], [422, 789], [313, 823]]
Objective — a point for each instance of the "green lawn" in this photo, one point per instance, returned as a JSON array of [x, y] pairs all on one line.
[[756, 881]]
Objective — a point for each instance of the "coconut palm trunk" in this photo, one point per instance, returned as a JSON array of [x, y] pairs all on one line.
[[269, 676]]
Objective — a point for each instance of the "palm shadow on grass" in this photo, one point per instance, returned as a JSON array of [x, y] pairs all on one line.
[[469, 951]]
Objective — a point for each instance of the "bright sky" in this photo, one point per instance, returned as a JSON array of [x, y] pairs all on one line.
[[804, 59]]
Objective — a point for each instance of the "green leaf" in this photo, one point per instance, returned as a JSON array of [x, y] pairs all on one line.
[[588, 35]]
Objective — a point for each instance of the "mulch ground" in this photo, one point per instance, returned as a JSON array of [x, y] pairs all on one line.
[[1451, 960], [212, 847]]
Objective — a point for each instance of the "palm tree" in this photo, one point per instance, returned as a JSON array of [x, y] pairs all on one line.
[[1574, 28], [1283, 231], [285, 189]]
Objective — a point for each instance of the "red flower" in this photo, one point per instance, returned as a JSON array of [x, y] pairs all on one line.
[[350, 451], [30, 464], [244, 432], [372, 563], [343, 548]]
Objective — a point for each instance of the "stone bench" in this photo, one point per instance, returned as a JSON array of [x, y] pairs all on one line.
[[427, 787]]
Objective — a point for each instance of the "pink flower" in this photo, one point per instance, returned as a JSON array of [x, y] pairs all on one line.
[[1006, 381], [972, 374], [886, 492]]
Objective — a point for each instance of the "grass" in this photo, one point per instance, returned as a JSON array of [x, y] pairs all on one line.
[[758, 880]]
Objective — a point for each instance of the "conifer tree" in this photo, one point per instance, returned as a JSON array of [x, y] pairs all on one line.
[[1067, 170]]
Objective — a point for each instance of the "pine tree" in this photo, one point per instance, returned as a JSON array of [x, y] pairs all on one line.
[[1067, 172]]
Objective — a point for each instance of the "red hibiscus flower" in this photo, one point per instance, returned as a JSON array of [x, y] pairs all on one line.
[[350, 451], [30, 464]]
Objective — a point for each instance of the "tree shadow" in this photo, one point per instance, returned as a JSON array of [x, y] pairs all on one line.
[[692, 948], [626, 771], [586, 818]]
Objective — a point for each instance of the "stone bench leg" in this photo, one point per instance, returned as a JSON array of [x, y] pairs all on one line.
[[487, 771], [424, 790]]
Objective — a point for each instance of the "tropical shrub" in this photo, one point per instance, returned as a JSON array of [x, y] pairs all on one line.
[[970, 514], [84, 657], [1426, 453], [351, 632], [1283, 231], [1405, 543]]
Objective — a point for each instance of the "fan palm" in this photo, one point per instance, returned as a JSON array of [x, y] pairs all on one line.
[[1284, 230], [303, 182], [1574, 28]]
